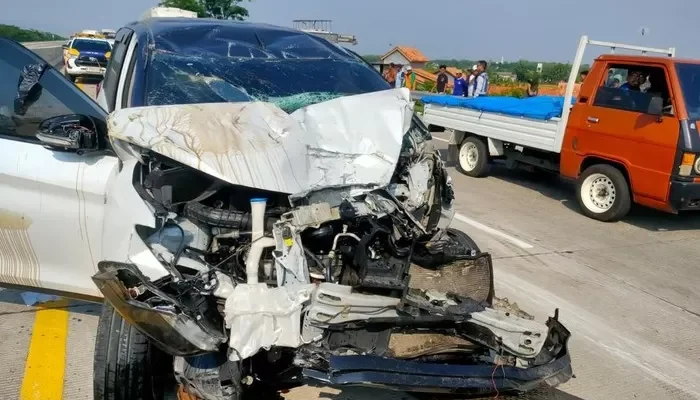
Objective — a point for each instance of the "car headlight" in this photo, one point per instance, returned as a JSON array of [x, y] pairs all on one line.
[[696, 166]]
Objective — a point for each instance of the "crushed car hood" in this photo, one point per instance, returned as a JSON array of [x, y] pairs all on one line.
[[348, 141]]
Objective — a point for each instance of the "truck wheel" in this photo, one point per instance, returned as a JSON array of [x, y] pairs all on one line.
[[473, 157], [123, 361], [603, 193]]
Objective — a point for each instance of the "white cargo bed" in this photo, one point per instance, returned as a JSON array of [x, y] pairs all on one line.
[[534, 133], [499, 128]]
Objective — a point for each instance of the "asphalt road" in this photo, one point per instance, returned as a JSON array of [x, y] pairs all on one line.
[[628, 291]]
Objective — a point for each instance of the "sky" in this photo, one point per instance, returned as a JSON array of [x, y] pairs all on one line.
[[542, 30]]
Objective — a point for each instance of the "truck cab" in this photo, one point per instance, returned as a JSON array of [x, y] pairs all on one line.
[[637, 114]]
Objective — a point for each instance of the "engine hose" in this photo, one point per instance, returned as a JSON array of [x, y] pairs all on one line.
[[232, 219]]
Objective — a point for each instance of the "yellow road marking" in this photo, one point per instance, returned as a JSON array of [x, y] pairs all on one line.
[[80, 86], [46, 360]]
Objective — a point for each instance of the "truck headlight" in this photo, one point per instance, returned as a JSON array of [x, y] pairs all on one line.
[[688, 164], [696, 166]]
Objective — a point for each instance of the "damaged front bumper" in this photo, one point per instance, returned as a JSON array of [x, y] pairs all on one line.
[[412, 376], [176, 333]]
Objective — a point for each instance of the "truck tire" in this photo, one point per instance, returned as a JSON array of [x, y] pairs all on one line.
[[122, 361], [603, 193], [473, 158]]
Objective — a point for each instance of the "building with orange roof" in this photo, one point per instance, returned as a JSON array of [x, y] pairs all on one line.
[[405, 55]]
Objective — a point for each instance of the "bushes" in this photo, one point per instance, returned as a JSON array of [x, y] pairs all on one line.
[[26, 35], [514, 92]]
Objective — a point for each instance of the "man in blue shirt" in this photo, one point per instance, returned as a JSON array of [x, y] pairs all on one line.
[[460, 85], [634, 80]]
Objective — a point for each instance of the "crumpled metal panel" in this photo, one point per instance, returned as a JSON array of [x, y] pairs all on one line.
[[348, 141]]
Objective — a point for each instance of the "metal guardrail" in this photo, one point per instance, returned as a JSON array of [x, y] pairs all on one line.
[[43, 45]]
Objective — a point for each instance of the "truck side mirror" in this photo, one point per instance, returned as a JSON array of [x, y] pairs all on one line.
[[656, 106]]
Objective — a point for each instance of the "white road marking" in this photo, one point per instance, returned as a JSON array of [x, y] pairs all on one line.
[[492, 231], [441, 139]]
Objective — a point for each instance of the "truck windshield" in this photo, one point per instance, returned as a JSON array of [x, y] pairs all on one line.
[[689, 77]]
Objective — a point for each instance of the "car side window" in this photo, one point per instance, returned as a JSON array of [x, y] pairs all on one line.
[[51, 97], [111, 80], [631, 88]]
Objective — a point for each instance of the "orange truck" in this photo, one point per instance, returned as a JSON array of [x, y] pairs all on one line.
[[631, 134]]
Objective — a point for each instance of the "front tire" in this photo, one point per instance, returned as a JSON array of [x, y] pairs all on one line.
[[603, 193], [124, 360], [473, 157]]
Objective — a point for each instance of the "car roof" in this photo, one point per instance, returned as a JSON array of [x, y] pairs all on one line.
[[244, 31], [169, 32], [161, 25]]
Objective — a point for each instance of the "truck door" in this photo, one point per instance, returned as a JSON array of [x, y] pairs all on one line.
[[615, 125], [51, 201]]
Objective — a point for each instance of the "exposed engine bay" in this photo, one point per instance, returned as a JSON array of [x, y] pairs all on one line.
[[274, 285]]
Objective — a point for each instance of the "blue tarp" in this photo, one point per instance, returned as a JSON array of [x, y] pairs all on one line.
[[540, 107]]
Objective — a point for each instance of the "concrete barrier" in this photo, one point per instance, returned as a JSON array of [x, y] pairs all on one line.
[[52, 51]]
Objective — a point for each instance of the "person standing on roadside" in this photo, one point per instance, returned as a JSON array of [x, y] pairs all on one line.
[[400, 76], [390, 74], [460, 85], [442, 79], [410, 78], [471, 75], [481, 81]]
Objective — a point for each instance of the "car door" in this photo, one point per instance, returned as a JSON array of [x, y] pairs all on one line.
[[52, 201]]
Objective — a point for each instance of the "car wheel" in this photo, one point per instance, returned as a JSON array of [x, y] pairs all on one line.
[[473, 158], [603, 193], [463, 240], [126, 365]]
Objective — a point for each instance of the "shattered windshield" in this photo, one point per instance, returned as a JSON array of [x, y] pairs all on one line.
[[289, 69]]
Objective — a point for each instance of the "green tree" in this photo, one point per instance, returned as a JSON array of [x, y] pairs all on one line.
[[555, 72], [522, 70], [219, 9], [189, 5], [26, 35]]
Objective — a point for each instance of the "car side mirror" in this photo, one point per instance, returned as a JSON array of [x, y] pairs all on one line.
[[75, 133], [656, 106]]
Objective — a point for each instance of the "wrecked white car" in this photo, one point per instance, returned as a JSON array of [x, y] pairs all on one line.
[[250, 240]]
